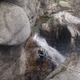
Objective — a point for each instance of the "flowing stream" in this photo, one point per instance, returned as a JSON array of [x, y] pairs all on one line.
[[54, 55]]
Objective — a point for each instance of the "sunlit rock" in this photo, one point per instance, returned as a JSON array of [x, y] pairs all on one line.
[[62, 23], [14, 24], [64, 4]]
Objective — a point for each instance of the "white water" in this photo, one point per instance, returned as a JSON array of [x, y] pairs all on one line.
[[54, 55]]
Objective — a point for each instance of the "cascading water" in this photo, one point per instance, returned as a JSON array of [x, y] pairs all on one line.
[[53, 54]]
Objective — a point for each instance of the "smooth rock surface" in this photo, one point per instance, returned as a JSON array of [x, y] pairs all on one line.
[[14, 24], [72, 72], [64, 4]]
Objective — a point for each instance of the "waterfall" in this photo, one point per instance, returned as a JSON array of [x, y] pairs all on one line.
[[54, 55]]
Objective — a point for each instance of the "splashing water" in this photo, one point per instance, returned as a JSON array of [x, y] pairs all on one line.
[[54, 55]]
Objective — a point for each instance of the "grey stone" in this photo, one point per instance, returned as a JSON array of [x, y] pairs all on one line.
[[72, 73], [12, 64], [14, 24]]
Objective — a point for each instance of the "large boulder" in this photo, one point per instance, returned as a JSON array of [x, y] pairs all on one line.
[[62, 23], [14, 24], [31, 7], [55, 33], [72, 22]]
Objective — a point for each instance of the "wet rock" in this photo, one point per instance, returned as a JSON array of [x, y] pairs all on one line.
[[14, 24]]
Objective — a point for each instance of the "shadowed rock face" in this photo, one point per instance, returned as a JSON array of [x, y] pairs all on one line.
[[10, 62], [56, 35], [17, 2]]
